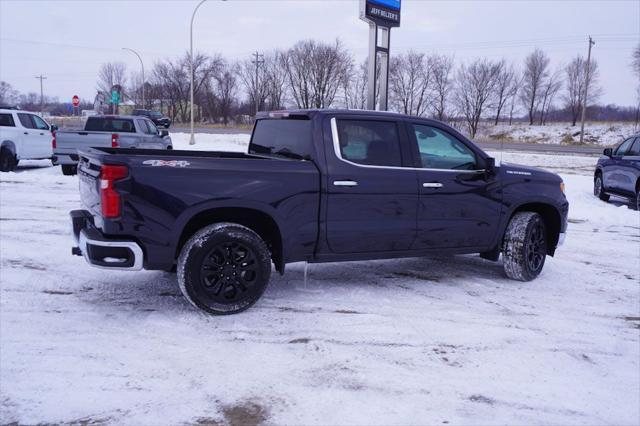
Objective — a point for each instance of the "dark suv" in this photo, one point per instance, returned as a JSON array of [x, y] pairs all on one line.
[[155, 116], [618, 172]]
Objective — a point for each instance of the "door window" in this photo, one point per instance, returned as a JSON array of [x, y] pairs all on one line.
[[371, 143], [39, 123], [25, 120], [635, 148], [440, 150], [6, 120], [152, 129], [624, 147]]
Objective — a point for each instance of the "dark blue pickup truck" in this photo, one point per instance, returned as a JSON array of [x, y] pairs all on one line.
[[315, 186]]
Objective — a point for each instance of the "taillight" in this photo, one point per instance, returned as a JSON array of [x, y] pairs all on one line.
[[53, 141], [108, 195], [114, 140]]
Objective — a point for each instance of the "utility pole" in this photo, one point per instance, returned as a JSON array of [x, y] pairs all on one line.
[[259, 60], [586, 89], [41, 77]]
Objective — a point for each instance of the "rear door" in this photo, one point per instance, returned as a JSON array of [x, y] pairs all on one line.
[[36, 136], [459, 203], [371, 193]]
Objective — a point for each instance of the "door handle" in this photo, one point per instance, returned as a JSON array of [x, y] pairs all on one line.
[[41, 134], [432, 185], [26, 133], [345, 183]]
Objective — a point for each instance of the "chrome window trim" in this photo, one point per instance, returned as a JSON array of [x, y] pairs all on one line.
[[336, 150]]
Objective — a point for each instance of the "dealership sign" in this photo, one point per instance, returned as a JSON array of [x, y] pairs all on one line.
[[384, 13]]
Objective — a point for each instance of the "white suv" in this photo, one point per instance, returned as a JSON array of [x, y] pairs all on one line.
[[23, 136]]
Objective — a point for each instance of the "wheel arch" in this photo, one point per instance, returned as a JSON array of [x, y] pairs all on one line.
[[258, 221], [552, 221], [10, 145]]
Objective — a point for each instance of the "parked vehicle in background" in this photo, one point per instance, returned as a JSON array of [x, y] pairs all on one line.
[[315, 186], [155, 116], [23, 136], [86, 113], [113, 131], [618, 172]]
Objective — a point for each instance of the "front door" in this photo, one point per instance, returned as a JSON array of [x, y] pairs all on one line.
[[36, 137], [460, 203], [612, 173], [371, 196]]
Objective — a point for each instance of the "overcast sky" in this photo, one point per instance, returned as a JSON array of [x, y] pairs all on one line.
[[68, 40]]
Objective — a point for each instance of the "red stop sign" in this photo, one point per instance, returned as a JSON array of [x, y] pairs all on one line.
[[75, 100]]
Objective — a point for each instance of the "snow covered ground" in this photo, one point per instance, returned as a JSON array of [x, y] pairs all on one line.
[[445, 340], [604, 134]]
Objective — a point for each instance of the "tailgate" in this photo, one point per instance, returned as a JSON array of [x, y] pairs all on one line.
[[71, 142], [89, 181]]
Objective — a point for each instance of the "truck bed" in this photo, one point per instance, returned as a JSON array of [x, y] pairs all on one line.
[[166, 189]]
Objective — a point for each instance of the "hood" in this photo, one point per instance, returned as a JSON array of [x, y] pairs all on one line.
[[535, 173]]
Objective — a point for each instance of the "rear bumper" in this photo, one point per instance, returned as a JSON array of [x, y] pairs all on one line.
[[101, 251], [64, 159]]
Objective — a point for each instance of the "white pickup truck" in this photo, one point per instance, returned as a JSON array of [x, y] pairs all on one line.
[[107, 131], [23, 136]]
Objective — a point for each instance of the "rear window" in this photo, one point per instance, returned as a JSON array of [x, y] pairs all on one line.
[[285, 137], [106, 124], [6, 120]]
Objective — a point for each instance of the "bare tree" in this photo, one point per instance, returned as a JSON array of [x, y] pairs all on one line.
[[575, 74], [441, 67], [276, 75], [505, 88], [226, 87], [112, 74], [475, 85], [535, 75], [316, 72], [254, 79], [409, 78], [355, 87], [173, 79], [550, 90], [8, 95]]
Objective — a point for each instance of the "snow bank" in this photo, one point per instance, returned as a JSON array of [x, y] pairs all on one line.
[[605, 134]]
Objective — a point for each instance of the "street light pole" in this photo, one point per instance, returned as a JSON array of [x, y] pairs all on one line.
[[192, 140], [142, 65]]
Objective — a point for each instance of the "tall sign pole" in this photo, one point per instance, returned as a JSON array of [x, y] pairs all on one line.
[[381, 15], [586, 88]]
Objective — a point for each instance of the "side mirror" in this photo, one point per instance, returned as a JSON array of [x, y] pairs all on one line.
[[490, 165], [164, 133], [608, 152], [53, 128]]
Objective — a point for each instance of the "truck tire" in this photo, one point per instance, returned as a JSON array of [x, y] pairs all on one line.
[[524, 247], [224, 268], [69, 169], [598, 188], [8, 161]]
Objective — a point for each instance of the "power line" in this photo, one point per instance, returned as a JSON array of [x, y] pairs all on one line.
[[258, 61]]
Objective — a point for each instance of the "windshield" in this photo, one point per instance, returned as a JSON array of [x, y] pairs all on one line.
[[284, 137], [155, 114]]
